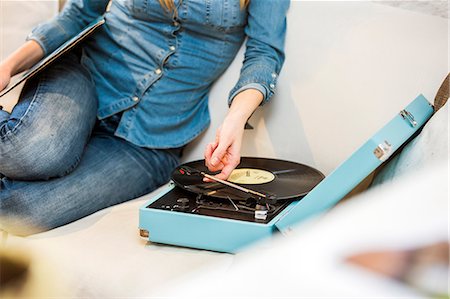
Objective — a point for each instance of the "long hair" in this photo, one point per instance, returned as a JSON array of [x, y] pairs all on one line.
[[170, 6]]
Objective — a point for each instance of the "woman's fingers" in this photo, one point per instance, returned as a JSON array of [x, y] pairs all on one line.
[[228, 168], [210, 148], [224, 153], [4, 78], [226, 157]]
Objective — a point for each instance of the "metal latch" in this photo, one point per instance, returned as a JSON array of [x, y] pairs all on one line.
[[383, 151], [409, 117]]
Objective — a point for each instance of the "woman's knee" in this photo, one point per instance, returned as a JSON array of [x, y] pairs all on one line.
[[39, 155], [47, 131], [40, 150]]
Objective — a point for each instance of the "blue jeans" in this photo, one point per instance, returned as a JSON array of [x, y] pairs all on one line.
[[58, 163]]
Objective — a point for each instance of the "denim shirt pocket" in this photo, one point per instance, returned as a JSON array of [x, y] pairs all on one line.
[[225, 15], [146, 9], [139, 8], [150, 10]]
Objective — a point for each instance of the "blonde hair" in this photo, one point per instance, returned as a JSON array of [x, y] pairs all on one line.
[[170, 6]]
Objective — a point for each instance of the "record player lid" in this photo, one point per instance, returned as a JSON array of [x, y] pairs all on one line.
[[360, 164]]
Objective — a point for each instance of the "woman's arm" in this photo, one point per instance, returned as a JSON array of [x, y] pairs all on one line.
[[48, 36], [20, 60], [225, 152], [264, 53], [264, 57], [75, 16]]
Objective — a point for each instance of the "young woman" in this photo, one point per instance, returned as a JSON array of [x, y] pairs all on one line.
[[106, 123]]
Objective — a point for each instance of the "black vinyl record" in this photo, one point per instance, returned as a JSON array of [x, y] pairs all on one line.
[[279, 179]]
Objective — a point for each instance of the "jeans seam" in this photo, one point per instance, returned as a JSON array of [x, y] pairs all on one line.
[[72, 167], [25, 115]]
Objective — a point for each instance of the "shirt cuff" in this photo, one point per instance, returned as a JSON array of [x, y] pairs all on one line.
[[50, 35], [256, 86], [262, 77], [40, 40]]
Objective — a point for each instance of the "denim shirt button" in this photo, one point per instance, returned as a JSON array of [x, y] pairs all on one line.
[[172, 48], [274, 75], [272, 86], [158, 71], [135, 99]]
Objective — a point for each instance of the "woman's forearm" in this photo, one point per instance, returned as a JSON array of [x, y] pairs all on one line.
[[23, 58], [243, 106]]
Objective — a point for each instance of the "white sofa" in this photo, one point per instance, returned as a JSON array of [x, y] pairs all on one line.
[[350, 67]]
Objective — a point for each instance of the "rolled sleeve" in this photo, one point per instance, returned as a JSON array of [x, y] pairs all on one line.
[[264, 54], [76, 15], [261, 88], [49, 36]]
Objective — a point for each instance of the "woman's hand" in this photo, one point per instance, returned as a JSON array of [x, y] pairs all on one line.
[[21, 59], [5, 76], [224, 153]]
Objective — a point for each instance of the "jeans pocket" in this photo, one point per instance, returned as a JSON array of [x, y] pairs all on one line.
[[225, 15]]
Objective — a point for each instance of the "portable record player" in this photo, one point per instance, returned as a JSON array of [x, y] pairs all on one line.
[[263, 196]]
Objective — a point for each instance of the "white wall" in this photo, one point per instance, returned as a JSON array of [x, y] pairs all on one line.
[[350, 67]]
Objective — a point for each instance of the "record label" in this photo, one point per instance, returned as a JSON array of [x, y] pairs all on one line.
[[254, 176]]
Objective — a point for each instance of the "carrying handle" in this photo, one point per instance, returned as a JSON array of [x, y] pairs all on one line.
[[442, 94]]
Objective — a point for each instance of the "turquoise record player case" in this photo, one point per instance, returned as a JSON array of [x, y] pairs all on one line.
[[169, 226]]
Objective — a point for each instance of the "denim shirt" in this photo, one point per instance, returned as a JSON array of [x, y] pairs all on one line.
[[157, 67]]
